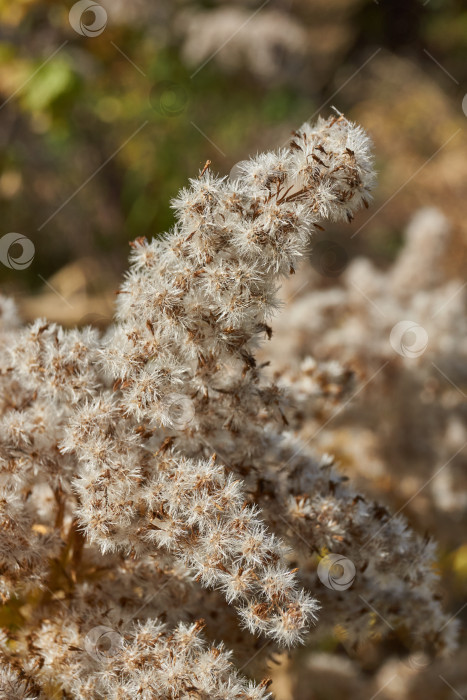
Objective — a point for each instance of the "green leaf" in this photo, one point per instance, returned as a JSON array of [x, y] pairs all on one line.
[[50, 82]]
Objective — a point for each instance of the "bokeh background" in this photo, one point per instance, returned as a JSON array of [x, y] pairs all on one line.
[[106, 112]]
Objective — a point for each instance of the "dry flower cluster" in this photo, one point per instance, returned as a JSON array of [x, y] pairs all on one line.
[[413, 440], [151, 483], [394, 417]]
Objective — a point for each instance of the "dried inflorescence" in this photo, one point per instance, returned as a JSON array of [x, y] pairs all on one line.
[[142, 465], [413, 440]]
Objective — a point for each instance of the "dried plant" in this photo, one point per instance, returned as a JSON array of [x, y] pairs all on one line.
[[149, 479], [404, 331]]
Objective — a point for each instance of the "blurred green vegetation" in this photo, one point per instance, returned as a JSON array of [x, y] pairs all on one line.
[[98, 133]]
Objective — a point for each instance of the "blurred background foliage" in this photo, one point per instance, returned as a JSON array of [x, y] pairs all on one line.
[[98, 133]]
